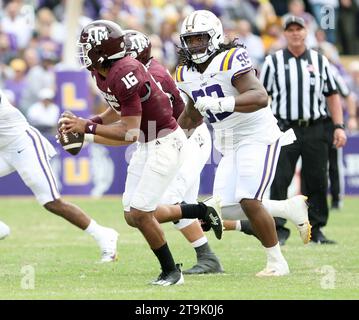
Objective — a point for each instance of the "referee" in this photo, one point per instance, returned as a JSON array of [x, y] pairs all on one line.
[[300, 82]]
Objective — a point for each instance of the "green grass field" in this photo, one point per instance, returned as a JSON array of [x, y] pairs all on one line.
[[64, 260]]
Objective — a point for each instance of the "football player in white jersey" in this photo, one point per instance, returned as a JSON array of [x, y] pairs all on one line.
[[25, 150], [220, 83]]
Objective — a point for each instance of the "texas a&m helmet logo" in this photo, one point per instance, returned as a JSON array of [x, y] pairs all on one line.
[[97, 34]]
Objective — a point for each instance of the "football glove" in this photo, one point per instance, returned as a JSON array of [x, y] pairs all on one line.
[[215, 105]]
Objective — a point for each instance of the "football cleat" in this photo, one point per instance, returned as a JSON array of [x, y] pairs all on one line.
[[4, 230], [277, 270], [298, 209], [213, 215], [204, 225], [206, 263], [174, 277], [108, 245]]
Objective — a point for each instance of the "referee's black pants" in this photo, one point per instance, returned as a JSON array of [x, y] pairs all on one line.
[[333, 160], [312, 146]]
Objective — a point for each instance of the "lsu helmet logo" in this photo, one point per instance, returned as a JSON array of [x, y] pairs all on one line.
[[97, 34]]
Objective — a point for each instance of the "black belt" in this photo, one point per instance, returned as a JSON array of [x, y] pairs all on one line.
[[300, 122]]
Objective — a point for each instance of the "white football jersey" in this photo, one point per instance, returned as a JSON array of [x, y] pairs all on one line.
[[12, 121], [230, 128]]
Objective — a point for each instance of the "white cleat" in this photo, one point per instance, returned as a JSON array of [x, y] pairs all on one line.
[[276, 270], [108, 245], [4, 230], [298, 210]]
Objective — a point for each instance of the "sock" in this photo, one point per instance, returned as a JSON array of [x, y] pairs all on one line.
[[203, 249], [238, 225], [165, 258], [274, 255], [192, 211], [246, 228], [277, 208], [199, 242], [94, 229]]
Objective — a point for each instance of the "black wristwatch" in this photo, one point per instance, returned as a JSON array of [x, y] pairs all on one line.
[[339, 126]]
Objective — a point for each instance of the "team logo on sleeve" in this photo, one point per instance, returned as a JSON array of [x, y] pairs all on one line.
[[97, 34]]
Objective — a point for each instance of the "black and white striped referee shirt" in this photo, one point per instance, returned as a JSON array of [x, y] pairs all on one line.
[[340, 82], [298, 85]]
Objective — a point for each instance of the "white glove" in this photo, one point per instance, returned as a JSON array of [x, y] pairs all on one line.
[[215, 105]]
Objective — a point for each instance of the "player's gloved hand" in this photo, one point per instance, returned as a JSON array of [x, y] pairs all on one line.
[[215, 105]]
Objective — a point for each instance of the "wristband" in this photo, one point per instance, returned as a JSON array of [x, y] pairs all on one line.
[[227, 104], [90, 127], [96, 119], [339, 126], [89, 138]]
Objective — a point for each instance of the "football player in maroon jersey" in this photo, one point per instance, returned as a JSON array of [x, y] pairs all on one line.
[[185, 186], [145, 114]]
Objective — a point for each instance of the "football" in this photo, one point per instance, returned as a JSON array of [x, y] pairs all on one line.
[[71, 142]]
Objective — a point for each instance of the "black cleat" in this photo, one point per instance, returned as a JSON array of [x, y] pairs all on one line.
[[206, 263], [319, 238], [213, 215], [169, 279]]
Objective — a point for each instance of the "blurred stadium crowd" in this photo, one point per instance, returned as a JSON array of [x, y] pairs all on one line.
[[32, 34]]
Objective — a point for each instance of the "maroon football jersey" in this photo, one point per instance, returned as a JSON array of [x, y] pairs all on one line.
[[168, 85], [130, 89]]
